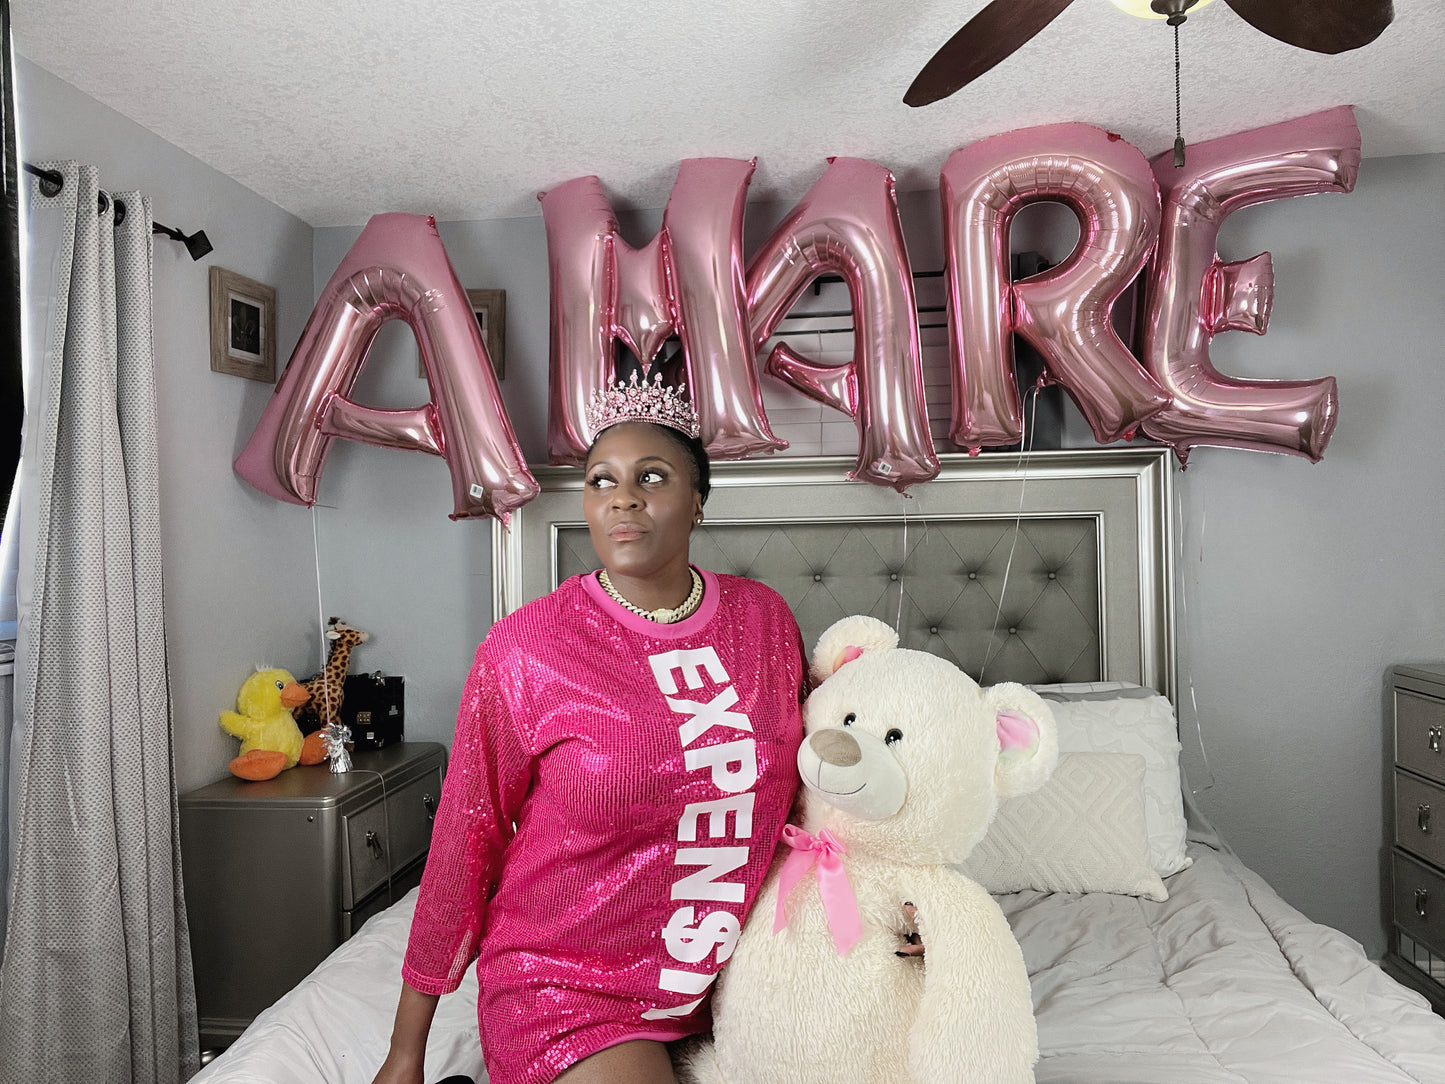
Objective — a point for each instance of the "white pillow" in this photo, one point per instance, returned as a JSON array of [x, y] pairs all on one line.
[[1118, 718], [1082, 831]]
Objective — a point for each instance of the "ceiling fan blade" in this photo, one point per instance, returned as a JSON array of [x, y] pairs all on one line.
[[984, 40], [1322, 26]]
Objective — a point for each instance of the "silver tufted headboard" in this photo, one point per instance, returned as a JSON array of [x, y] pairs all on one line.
[[1056, 570]]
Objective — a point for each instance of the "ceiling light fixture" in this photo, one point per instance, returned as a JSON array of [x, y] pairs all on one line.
[[1144, 9]]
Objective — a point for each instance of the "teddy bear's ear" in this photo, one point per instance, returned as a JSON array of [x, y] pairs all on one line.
[[1028, 740], [844, 640]]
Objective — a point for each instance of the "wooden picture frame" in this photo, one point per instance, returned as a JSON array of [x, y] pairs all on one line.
[[243, 326], [489, 308]]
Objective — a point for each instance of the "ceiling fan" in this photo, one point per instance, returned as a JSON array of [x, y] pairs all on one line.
[[1322, 26]]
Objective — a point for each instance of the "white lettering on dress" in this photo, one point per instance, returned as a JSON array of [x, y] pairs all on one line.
[[690, 943], [732, 767], [707, 715], [689, 662], [716, 812], [734, 764], [703, 885]]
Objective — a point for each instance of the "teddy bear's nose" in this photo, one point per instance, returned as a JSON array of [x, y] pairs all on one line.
[[836, 747]]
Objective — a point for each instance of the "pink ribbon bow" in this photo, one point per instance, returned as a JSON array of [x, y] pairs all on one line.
[[839, 906]]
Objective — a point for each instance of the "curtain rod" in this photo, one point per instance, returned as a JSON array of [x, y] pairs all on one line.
[[52, 181]]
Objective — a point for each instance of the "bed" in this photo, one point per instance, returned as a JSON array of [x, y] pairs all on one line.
[[1055, 571]]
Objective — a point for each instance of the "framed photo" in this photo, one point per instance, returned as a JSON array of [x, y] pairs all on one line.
[[490, 309], [243, 326]]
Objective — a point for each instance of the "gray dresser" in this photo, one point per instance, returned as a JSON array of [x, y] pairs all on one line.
[[1417, 931], [278, 873]]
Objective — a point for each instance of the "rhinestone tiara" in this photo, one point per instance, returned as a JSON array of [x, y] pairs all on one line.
[[636, 401]]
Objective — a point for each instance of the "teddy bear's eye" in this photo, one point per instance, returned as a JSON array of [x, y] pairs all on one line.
[[849, 719], [893, 737]]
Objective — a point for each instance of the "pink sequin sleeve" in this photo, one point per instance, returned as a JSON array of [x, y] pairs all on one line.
[[486, 781]]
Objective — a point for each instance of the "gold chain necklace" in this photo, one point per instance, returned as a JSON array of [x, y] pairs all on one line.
[[663, 615]]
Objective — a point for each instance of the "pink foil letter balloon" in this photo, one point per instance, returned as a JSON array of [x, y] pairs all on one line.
[[396, 270], [848, 225], [1063, 312], [1193, 296], [688, 280]]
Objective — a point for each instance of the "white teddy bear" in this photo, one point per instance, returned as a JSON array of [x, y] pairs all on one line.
[[904, 761]]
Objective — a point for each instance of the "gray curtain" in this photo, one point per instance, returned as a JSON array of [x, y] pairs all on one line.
[[95, 984]]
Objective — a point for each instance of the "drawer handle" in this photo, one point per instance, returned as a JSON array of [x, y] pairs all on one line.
[[1422, 817], [374, 842], [430, 805], [1422, 901], [1435, 735]]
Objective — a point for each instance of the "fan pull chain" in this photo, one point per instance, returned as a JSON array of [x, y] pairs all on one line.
[[1175, 21]]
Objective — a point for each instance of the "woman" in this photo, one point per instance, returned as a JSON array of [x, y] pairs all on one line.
[[623, 765]]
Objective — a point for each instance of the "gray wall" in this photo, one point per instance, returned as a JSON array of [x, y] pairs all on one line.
[[237, 592], [1303, 583]]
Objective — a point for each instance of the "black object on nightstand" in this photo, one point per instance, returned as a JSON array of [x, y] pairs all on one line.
[[1417, 930], [278, 873]]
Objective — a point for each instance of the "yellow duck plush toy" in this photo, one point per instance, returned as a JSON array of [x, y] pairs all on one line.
[[271, 742]]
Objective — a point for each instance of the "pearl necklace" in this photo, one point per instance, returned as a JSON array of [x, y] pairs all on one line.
[[662, 615]]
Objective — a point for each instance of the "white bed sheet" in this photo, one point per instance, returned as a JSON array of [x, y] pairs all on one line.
[[1224, 982], [334, 1028]]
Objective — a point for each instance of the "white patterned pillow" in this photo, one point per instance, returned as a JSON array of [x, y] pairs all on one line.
[[1082, 831], [1119, 718]]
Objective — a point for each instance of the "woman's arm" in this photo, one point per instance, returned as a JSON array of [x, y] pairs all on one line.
[[487, 778], [407, 1057]]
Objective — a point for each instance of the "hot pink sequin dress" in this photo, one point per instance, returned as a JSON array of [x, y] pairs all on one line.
[[614, 796]]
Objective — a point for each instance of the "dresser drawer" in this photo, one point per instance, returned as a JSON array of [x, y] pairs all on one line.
[[1420, 734], [414, 806], [1420, 817], [365, 861], [1418, 888], [387, 835], [381, 899]]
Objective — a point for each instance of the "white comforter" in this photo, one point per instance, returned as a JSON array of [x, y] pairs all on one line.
[[1223, 982]]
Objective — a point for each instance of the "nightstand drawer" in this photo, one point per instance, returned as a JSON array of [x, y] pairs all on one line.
[[384, 837], [1420, 818], [364, 853], [1420, 734], [414, 806], [1419, 907]]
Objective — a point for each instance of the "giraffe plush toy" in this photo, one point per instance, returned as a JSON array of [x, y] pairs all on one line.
[[327, 688]]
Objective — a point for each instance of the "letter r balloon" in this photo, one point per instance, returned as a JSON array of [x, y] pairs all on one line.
[[1063, 312]]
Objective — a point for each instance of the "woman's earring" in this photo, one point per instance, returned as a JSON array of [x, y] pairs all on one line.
[[699, 518]]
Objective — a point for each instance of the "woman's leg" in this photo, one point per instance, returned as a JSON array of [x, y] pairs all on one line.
[[639, 1061]]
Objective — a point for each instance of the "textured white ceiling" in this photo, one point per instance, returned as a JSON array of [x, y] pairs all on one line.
[[336, 111]]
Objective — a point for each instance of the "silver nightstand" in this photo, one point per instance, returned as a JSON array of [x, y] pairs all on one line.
[[278, 873], [1417, 931]]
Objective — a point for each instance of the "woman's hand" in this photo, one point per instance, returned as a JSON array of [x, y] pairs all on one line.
[[398, 1069], [912, 943], [407, 1057]]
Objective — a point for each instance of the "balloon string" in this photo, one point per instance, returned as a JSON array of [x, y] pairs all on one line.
[[902, 572], [320, 613], [1025, 450], [1184, 624]]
